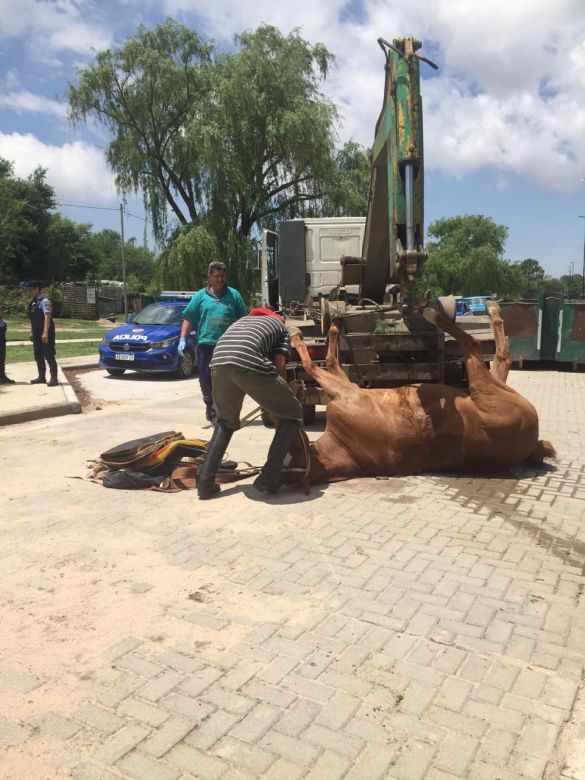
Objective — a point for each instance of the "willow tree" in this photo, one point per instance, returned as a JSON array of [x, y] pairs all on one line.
[[145, 93], [220, 141]]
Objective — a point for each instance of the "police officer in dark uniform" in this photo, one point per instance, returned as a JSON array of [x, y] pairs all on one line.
[[42, 334], [4, 380]]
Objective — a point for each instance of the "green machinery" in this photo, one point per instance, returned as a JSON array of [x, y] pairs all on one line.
[[393, 245], [384, 339]]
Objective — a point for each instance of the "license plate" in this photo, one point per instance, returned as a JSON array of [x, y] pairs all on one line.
[[125, 356]]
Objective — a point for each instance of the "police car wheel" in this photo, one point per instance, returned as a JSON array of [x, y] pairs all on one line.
[[115, 371], [186, 365]]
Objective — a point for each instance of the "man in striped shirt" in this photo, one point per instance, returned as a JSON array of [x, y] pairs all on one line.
[[250, 359]]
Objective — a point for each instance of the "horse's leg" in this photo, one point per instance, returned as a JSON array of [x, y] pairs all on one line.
[[332, 383], [331, 359], [501, 362], [481, 382]]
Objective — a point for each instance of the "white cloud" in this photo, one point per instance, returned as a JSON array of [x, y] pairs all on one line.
[[223, 18], [509, 93], [466, 132], [508, 97], [23, 101], [76, 170], [53, 26]]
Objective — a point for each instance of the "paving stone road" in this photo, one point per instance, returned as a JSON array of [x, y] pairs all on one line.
[[422, 627]]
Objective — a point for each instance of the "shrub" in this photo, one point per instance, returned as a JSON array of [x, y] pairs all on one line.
[[14, 301]]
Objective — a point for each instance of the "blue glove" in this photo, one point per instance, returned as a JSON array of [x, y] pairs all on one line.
[[181, 347]]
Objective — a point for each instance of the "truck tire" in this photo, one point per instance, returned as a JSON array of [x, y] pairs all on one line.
[[309, 415]]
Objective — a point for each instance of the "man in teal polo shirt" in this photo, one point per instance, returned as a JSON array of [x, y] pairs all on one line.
[[211, 311]]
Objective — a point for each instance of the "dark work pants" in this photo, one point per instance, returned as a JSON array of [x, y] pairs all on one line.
[[3, 350], [204, 355], [44, 352]]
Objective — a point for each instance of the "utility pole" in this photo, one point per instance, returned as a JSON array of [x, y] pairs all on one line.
[[125, 292], [571, 272], [582, 216]]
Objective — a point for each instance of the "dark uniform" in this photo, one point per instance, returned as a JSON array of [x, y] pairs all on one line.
[[37, 308], [4, 380]]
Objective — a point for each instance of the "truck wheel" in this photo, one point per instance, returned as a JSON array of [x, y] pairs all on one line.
[[115, 371], [186, 365], [309, 415]]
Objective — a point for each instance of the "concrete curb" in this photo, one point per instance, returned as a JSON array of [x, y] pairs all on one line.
[[70, 405], [75, 406], [38, 413]]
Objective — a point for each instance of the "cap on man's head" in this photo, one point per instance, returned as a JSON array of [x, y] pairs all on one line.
[[259, 312], [33, 284]]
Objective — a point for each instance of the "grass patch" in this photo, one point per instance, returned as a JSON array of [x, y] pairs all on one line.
[[19, 329], [25, 354]]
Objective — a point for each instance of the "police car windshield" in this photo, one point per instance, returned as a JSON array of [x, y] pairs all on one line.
[[159, 315]]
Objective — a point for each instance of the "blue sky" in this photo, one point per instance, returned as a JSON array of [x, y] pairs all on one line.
[[504, 115]]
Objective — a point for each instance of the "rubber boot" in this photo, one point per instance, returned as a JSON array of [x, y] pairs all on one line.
[[53, 381], [40, 380], [269, 478], [206, 485]]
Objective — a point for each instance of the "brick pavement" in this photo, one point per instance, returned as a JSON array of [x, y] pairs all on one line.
[[426, 627]]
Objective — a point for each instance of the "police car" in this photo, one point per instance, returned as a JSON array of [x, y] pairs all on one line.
[[148, 341]]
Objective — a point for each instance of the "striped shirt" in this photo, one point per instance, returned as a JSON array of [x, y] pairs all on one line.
[[251, 344]]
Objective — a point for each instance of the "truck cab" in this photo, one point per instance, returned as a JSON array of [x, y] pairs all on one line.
[[301, 263]]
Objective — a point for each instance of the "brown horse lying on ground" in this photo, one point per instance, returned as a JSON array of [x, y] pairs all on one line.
[[421, 427]]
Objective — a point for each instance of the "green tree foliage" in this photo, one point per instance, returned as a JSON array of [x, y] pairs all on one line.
[[105, 246], [571, 285], [70, 255], [36, 242], [24, 220], [269, 131], [146, 94], [465, 258], [345, 192], [222, 141], [182, 265], [550, 284], [348, 194], [533, 275]]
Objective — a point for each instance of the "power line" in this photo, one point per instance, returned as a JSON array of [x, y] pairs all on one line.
[[86, 206], [129, 214], [101, 208]]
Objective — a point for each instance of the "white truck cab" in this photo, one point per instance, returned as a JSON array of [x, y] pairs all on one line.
[[301, 262]]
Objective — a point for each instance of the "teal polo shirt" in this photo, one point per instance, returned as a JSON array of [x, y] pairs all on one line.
[[212, 313]]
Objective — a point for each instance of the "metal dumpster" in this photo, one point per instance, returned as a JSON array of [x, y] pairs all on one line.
[[551, 306], [571, 333], [523, 326]]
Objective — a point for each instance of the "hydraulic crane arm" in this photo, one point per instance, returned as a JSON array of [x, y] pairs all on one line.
[[393, 248]]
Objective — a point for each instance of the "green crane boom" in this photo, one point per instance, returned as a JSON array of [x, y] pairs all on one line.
[[393, 248]]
